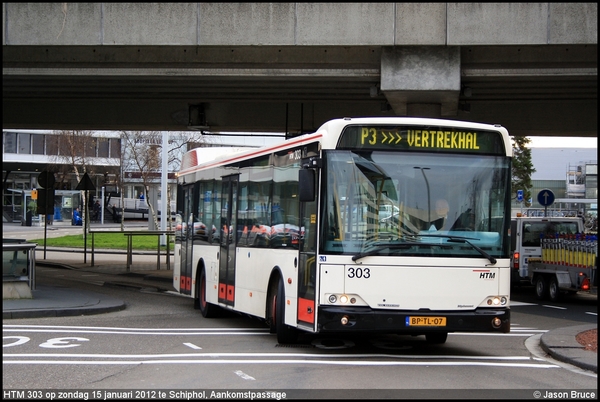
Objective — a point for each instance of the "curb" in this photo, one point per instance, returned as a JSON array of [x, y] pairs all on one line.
[[60, 302], [562, 345], [62, 312]]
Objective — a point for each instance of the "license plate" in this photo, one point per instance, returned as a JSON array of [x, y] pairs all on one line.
[[426, 321]]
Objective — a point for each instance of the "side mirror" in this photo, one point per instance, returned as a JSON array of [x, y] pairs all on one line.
[[306, 184]]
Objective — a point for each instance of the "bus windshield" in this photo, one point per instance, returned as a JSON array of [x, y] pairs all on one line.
[[414, 204]]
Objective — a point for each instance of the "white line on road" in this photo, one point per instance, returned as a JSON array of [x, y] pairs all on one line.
[[556, 307], [130, 329], [272, 361], [244, 375]]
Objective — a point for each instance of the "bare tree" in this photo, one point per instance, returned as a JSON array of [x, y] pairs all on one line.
[[179, 144], [143, 154], [76, 148]]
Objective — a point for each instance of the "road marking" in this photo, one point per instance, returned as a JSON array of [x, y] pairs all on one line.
[[360, 362], [130, 329], [241, 355], [520, 304], [333, 359], [135, 331], [244, 375]]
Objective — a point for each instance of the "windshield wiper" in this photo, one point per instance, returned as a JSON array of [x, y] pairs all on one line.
[[481, 251], [460, 239], [377, 248], [452, 239]]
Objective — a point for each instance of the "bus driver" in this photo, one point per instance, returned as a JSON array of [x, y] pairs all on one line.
[[441, 209]]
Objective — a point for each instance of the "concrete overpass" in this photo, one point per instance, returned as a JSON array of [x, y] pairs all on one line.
[[288, 67]]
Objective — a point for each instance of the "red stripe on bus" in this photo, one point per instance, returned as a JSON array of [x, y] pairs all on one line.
[[250, 155]]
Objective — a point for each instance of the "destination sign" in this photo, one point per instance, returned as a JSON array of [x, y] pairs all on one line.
[[437, 139]]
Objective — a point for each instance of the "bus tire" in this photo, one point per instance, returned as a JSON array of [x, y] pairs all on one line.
[[272, 306], [553, 289], [285, 333], [541, 287], [208, 310], [436, 338]]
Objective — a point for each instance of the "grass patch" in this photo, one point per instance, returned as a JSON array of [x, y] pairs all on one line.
[[115, 241]]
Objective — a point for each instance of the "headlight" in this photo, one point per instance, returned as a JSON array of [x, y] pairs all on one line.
[[343, 298]]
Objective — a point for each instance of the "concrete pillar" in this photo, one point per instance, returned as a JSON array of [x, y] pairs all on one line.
[[425, 77], [424, 109]]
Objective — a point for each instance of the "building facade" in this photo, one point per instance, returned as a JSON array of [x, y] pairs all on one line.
[[574, 195], [27, 153]]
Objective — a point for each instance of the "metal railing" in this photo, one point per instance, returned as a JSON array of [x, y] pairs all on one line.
[[130, 234]]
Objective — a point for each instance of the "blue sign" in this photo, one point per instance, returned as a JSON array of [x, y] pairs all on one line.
[[520, 195], [545, 197]]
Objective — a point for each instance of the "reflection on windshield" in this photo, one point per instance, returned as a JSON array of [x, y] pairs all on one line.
[[381, 198]]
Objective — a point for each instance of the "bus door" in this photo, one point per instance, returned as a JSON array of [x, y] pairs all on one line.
[[307, 265], [187, 236], [228, 240]]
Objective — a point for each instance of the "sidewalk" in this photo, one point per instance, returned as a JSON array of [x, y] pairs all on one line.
[[52, 301], [560, 343], [55, 301]]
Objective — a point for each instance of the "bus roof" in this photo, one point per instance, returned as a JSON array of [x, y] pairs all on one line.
[[211, 156]]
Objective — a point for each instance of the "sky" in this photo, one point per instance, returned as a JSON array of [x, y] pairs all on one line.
[[563, 142]]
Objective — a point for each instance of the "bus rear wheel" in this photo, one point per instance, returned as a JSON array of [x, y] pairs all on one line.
[[208, 310]]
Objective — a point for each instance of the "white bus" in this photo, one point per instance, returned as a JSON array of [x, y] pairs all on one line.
[[384, 224]]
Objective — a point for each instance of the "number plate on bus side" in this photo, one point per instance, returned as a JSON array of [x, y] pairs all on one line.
[[425, 321]]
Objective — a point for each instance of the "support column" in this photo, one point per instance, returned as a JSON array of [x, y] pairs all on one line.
[[424, 109], [421, 80]]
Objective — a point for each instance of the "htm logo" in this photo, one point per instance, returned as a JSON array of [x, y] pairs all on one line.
[[487, 275], [14, 394]]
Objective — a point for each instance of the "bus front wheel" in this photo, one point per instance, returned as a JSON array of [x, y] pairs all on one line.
[[285, 333], [272, 307]]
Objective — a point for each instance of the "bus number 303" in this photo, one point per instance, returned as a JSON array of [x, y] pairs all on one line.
[[359, 273]]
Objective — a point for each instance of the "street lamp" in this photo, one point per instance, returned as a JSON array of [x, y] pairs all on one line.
[[423, 169]]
